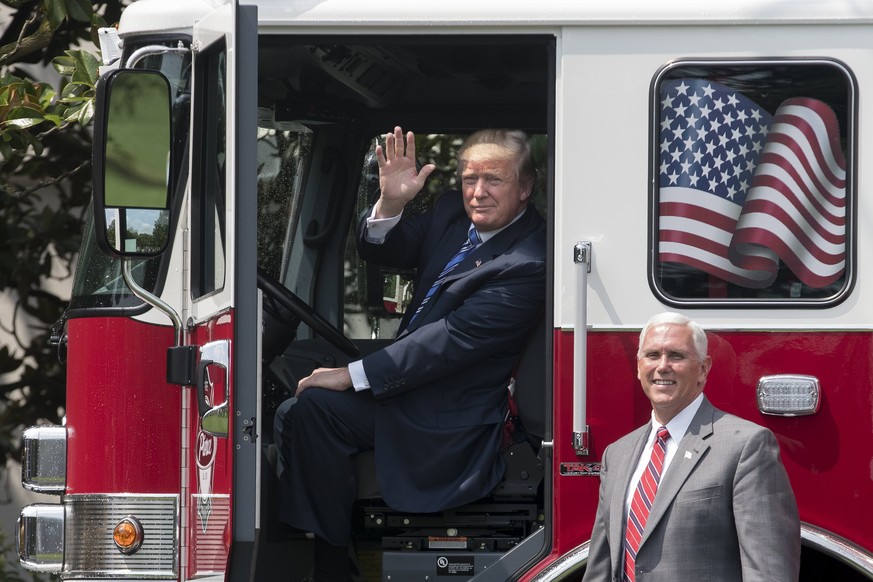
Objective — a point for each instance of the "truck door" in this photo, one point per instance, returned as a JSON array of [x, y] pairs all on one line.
[[220, 467]]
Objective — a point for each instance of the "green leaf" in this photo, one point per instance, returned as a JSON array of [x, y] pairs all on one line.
[[70, 91], [64, 65], [47, 96], [80, 65], [38, 148], [24, 117], [80, 10], [87, 66], [56, 11], [24, 111], [97, 21], [86, 113], [56, 119], [23, 122], [72, 114]]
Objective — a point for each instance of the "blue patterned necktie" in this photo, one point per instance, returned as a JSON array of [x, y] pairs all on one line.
[[471, 243]]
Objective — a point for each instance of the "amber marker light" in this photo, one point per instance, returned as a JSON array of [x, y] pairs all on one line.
[[128, 535]]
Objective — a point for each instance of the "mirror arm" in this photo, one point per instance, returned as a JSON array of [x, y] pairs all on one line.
[[151, 299], [154, 49]]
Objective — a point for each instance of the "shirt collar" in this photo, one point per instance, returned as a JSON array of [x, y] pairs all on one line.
[[486, 236], [678, 425]]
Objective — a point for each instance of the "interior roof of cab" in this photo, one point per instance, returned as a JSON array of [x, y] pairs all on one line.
[[442, 82]]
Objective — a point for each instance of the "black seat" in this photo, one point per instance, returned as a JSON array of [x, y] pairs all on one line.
[[530, 382]]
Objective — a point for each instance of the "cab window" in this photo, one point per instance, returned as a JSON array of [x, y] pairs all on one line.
[[377, 297], [753, 189]]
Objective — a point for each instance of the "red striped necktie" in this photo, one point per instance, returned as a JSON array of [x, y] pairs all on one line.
[[641, 504]]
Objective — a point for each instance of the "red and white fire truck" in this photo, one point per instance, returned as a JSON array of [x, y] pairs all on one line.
[[706, 158]]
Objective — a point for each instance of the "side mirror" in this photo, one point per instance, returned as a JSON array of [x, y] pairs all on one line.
[[132, 163]]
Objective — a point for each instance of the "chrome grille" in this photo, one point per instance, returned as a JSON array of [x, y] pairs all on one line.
[[90, 551], [210, 546]]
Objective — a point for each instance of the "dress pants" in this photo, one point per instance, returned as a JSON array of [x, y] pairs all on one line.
[[318, 435]]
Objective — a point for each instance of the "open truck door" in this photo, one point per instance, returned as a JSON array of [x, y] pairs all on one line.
[[213, 305], [220, 464]]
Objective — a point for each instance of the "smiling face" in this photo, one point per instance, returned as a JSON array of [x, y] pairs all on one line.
[[669, 369], [493, 193]]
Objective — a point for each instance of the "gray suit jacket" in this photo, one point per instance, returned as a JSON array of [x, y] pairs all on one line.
[[724, 511]]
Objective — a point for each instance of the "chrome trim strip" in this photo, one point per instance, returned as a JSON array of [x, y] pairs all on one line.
[[811, 536], [569, 563], [837, 547]]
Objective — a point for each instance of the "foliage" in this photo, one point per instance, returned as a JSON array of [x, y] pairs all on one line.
[[44, 189]]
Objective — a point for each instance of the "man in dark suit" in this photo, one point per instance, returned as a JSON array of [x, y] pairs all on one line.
[[709, 498], [433, 403]]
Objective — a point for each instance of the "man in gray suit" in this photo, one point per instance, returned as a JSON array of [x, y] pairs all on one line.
[[709, 498]]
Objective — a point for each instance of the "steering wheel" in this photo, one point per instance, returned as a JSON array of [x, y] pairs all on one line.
[[299, 308]]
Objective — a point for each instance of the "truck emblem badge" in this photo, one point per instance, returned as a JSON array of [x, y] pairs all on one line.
[[205, 458]]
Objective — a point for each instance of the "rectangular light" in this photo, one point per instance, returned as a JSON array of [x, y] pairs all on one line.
[[788, 395], [41, 537], [44, 459]]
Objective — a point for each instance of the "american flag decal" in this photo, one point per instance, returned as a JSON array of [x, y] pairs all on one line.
[[741, 190]]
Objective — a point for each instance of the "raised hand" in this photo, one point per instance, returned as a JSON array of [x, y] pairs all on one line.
[[398, 178]]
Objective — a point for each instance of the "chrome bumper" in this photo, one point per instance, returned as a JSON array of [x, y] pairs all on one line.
[[75, 538]]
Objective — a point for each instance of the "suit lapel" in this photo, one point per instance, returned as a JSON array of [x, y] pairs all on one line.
[[495, 246], [455, 237], [689, 453]]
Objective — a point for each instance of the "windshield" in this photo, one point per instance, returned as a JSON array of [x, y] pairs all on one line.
[[98, 282]]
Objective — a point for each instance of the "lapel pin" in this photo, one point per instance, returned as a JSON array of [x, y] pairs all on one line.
[[478, 262], [687, 454]]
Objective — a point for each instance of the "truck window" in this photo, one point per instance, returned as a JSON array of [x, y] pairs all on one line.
[[753, 184], [208, 180], [98, 282], [376, 297], [283, 159]]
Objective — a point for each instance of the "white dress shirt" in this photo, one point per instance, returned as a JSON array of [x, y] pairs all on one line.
[[677, 427]]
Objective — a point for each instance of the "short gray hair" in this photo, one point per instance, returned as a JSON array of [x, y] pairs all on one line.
[[698, 336]]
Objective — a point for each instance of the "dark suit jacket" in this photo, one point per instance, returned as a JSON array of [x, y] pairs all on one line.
[[724, 511], [444, 379]]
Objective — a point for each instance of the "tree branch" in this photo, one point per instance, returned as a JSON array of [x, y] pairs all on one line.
[[19, 194], [26, 45]]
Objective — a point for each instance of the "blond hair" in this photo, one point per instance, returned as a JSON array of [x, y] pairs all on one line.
[[507, 144]]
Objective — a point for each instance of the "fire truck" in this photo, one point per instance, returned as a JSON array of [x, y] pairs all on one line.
[[703, 158]]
